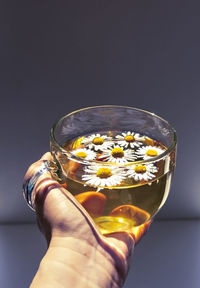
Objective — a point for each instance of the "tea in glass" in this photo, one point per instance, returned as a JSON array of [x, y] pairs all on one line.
[[117, 162]]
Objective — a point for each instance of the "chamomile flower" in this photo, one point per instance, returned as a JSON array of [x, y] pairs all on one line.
[[99, 175], [129, 139], [142, 172], [84, 153], [97, 141], [118, 155], [147, 152]]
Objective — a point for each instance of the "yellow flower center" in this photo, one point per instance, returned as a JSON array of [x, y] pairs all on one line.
[[151, 153], [140, 169], [81, 154], [97, 141], [117, 152], [129, 138], [104, 173]]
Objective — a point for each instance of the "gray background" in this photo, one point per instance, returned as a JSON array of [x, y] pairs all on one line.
[[58, 56]]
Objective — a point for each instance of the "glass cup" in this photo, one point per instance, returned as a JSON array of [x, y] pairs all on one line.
[[117, 161]]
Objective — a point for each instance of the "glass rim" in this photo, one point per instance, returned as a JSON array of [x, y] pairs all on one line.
[[74, 158]]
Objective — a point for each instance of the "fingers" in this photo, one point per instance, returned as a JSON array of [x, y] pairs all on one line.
[[126, 240], [140, 231], [35, 166], [42, 187], [123, 240], [47, 156], [37, 171]]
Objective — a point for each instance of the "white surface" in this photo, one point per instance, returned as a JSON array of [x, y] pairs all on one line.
[[168, 256]]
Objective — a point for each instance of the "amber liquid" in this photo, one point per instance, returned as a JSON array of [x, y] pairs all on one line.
[[140, 203], [122, 207]]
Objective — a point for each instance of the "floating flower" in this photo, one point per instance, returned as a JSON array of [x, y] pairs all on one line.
[[117, 154], [142, 172], [129, 139], [97, 142], [84, 153], [148, 152], [98, 175]]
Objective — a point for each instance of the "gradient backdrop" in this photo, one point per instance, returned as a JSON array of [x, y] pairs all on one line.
[[59, 56]]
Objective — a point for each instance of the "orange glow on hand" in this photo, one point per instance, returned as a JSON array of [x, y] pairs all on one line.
[[93, 202], [140, 231]]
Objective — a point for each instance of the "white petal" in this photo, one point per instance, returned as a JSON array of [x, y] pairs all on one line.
[[119, 137]]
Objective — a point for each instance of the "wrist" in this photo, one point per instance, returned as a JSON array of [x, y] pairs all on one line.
[[71, 262]]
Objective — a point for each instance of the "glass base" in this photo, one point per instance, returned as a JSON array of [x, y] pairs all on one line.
[[109, 224]]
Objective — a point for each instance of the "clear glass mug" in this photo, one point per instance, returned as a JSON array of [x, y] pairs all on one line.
[[117, 161]]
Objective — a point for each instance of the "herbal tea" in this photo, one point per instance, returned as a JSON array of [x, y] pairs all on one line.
[[107, 174]]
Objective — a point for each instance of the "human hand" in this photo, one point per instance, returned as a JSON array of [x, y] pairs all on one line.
[[74, 240]]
